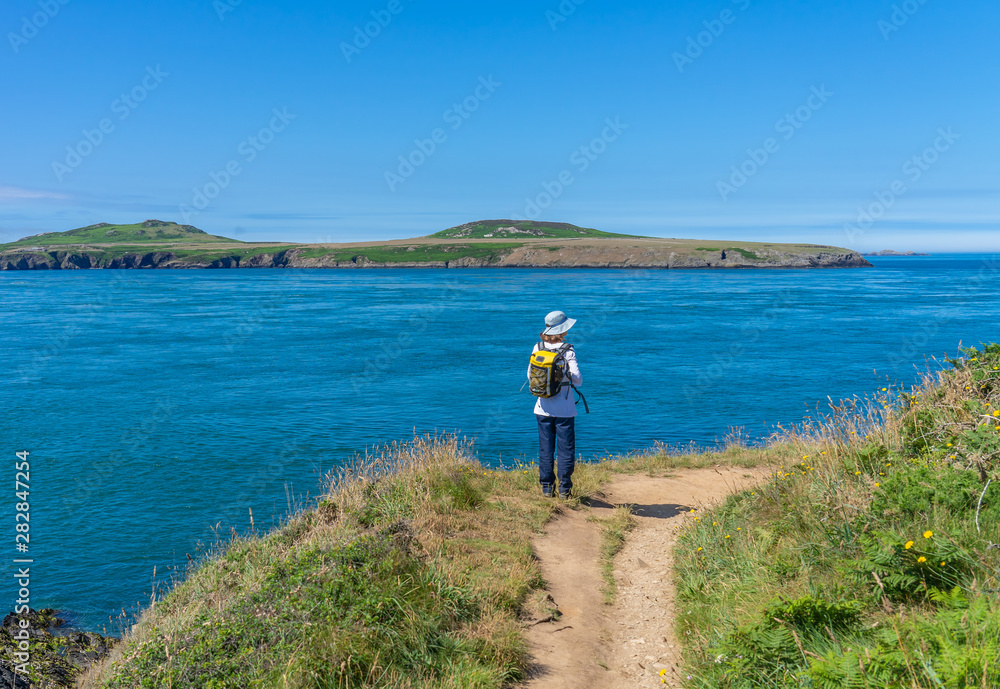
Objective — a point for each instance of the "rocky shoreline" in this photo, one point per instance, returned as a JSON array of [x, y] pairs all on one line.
[[533, 256], [55, 659], [891, 252]]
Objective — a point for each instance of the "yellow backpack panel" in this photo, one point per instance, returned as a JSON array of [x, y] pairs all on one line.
[[546, 371]]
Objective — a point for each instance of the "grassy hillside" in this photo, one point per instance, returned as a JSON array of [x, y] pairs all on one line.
[[520, 229], [142, 234], [490, 251], [412, 580], [865, 561], [414, 571], [870, 563]]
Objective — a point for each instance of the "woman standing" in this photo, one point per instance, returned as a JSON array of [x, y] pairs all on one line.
[[556, 415]]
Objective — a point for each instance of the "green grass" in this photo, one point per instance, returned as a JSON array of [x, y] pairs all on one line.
[[417, 579], [490, 252], [523, 229], [213, 254], [614, 530], [149, 232], [860, 564]]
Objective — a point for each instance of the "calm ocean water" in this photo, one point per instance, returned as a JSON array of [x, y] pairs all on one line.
[[159, 404]]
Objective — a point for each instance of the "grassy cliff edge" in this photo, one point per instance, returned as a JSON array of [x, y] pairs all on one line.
[[866, 560], [415, 570], [869, 562]]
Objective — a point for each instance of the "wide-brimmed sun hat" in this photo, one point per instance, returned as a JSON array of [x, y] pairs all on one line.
[[556, 323]]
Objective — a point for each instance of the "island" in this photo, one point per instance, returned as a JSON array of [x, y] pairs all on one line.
[[890, 252], [481, 244]]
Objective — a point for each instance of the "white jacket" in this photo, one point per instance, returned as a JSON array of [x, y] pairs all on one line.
[[563, 404]]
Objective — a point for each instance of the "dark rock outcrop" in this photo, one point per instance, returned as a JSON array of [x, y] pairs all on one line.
[[56, 659]]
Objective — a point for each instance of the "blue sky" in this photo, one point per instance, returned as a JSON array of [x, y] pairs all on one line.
[[862, 123]]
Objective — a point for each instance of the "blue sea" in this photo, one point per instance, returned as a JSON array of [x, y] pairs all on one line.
[[160, 407]]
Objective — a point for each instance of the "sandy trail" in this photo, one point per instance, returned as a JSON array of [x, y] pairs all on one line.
[[627, 644]]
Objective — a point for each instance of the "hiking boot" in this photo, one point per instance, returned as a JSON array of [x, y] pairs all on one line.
[[565, 495], [546, 490]]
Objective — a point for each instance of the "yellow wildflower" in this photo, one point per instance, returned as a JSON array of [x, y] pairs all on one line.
[[928, 534], [921, 559], [909, 544]]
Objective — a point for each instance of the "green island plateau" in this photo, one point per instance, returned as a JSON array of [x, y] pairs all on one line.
[[480, 244]]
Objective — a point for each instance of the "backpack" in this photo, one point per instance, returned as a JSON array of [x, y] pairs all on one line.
[[548, 372]]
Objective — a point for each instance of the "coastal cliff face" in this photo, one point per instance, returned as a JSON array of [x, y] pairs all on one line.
[[533, 256], [67, 260], [596, 256]]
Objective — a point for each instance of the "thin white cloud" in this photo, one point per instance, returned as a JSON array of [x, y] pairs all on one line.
[[8, 193]]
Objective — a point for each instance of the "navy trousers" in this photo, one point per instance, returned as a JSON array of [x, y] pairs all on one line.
[[550, 430]]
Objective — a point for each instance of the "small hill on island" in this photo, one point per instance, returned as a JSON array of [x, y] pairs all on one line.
[[150, 231], [520, 229]]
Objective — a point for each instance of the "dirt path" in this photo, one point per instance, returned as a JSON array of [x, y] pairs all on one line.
[[570, 648], [627, 644]]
